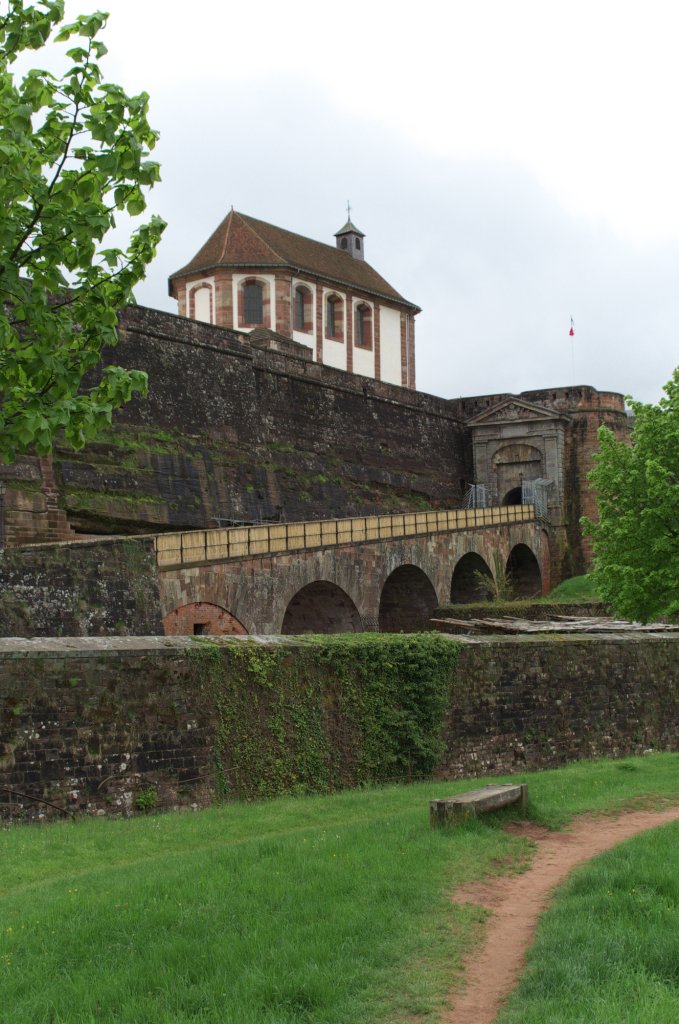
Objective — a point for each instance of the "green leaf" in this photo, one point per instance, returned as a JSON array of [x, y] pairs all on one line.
[[52, 230]]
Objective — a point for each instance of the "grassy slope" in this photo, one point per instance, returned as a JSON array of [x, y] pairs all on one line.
[[321, 909], [577, 588], [608, 950]]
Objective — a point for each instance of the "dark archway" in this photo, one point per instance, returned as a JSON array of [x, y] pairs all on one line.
[[202, 619], [321, 607], [512, 497], [467, 585], [408, 601], [523, 569]]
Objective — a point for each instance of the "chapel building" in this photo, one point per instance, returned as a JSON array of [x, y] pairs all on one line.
[[267, 282]]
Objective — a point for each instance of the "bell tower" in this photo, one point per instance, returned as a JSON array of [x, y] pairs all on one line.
[[350, 239]]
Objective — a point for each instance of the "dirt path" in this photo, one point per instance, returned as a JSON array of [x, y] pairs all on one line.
[[516, 901]]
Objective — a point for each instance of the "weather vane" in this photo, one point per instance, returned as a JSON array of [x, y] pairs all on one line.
[[348, 210]]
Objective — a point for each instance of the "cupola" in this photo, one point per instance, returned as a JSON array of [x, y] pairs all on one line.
[[350, 239]]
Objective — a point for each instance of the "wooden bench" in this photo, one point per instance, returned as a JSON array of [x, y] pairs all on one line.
[[454, 809]]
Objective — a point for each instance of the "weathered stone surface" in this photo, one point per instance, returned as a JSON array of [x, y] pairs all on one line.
[[111, 586], [236, 433], [89, 723], [529, 702], [453, 809], [89, 588], [417, 573], [240, 433]]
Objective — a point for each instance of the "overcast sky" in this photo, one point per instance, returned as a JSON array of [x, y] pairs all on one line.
[[511, 164]]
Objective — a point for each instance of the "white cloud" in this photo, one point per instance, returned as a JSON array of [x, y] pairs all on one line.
[[512, 164]]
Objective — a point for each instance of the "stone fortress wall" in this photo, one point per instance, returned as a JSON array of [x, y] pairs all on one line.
[[92, 723], [238, 432]]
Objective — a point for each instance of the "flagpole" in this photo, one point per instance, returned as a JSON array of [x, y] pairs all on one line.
[[572, 361], [572, 337]]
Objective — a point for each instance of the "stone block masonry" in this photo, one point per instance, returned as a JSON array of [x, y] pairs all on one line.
[[233, 432], [521, 703], [93, 724], [247, 431], [86, 589], [90, 724]]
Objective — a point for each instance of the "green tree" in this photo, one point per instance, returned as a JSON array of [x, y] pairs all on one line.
[[73, 155], [636, 541]]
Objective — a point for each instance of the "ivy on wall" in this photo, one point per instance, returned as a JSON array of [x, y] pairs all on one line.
[[322, 713]]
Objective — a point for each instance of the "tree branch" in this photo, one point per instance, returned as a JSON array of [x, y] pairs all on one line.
[[60, 166]]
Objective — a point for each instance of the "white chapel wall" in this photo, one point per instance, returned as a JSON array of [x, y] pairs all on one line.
[[390, 345], [335, 353], [364, 361]]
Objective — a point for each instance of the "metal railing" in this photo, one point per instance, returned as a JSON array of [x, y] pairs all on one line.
[[199, 546]]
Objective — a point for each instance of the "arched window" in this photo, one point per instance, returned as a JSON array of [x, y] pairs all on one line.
[[357, 243], [330, 316], [303, 311], [363, 328], [253, 303], [200, 303], [343, 243], [334, 321]]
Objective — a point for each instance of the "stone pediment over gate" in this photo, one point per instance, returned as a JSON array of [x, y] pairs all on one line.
[[514, 410]]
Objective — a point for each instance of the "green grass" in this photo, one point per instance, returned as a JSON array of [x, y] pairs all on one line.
[[608, 950], [577, 588], [320, 910]]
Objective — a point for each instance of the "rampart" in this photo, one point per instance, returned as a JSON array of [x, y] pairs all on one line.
[[232, 433], [92, 724]]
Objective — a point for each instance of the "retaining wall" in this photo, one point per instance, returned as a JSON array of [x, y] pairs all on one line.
[[90, 725]]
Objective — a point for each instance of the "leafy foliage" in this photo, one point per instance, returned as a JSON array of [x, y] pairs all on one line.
[[333, 712], [499, 586], [73, 154], [636, 541]]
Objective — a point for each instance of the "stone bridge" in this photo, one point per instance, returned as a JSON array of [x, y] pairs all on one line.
[[345, 575]]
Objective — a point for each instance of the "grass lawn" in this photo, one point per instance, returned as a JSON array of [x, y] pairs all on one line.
[[608, 950], [577, 588], [325, 910]]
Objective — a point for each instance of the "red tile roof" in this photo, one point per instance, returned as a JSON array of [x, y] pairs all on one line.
[[242, 241]]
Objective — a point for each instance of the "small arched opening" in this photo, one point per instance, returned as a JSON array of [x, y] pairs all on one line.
[[200, 618], [469, 580], [512, 497], [321, 607], [408, 601], [523, 570]]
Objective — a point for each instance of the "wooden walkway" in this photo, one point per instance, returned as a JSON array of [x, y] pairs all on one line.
[[197, 547]]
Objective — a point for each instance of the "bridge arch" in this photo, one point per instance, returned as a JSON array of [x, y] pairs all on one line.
[[321, 607], [523, 569], [466, 585], [202, 618], [407, 600]]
